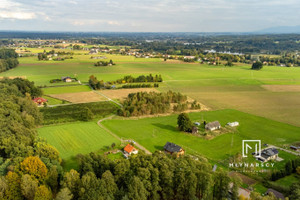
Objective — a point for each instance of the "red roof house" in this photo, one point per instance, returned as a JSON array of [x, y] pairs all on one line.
[[39, 101], [130, 149]]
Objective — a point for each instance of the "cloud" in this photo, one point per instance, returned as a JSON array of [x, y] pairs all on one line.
[[17, 15]]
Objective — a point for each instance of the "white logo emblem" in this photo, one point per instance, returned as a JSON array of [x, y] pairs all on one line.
[[253, 145]]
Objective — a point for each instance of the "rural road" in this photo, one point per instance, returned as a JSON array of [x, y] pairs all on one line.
[[114, 135], [288, 151]]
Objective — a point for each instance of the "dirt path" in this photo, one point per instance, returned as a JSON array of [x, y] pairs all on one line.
[[117, 137], [288, 151]]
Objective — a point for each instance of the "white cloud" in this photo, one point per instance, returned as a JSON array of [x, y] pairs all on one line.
[[17, 15]]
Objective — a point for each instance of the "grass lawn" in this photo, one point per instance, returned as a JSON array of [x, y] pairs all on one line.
[[288, 180], [260, 188], [154, 132], [66, 89], [52, 101], [116, 156], [74, 138]]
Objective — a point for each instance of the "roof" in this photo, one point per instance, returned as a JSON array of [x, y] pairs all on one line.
[[213, 124], [276, 193], [171, 147], [39, 99], [129, 148], [266, 153], [63, 78]]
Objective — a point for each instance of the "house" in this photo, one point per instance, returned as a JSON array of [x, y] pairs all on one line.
[[213, 126], [233, 124], [66, 79], [241, 191], [194, 129], [93, 51], [39, 101], [269, 154], [129, 149], [172, 148], [277, 194]]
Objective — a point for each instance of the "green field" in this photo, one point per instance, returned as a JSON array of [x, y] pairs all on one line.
[[218, 87], [68, 89], [154, 132], [76, 138]]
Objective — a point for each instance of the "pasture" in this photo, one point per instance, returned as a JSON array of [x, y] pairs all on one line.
[[76, 138], [217, 87], [154, 132]]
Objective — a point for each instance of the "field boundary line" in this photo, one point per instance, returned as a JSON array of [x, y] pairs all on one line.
[[109, 99]]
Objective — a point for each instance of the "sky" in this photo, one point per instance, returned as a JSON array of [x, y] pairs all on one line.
[[148, 15]]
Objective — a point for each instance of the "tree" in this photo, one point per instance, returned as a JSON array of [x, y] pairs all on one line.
[[43, 193], [71, 181], [257, 65], [64, 194], [108, 186], [229, 63], [136, 189], [13, 190], [28, 186], [35, 167], [298, 170], [184, 123]]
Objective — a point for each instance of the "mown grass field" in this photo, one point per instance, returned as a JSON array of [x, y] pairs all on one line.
[[76, 138], [69, 89], [154, 132]]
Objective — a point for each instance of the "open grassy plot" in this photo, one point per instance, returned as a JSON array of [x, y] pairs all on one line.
[[72, 139], [123, 93], [288, 180], [80, 97], [154, 132], [69, 89]]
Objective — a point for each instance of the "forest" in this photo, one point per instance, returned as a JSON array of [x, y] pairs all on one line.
[[8, 59]]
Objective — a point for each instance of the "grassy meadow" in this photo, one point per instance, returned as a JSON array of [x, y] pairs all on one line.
[[154, 132], [76, 138], [218, 87]]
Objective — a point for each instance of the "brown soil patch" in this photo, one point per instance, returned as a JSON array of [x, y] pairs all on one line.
[[247, 180], [79, 97], [12, 77], [282, 88], [123, 93]]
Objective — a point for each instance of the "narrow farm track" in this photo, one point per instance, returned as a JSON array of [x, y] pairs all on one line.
[[122, 140], [282, 149]]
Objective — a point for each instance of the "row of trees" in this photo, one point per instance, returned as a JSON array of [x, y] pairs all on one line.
[[8, 59], [140, 85], [100, 84], [289, 168], [104, 63], [140, 79], [143, 103]]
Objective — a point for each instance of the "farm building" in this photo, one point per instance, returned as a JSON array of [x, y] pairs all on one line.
[[129, 149], [39, 101], [172, 148], [294, 148], [213, 126], [194, 129], [277, 194], [233, 124], [93, 51], [66, 79], [269, 154]]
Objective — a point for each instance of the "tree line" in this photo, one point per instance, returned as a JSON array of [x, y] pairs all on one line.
[[100, 84], [8, 59], [104, 63]]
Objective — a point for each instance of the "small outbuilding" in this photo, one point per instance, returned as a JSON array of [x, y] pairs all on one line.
[[277, 194], [197, 123], [194, 129], [66, 79], [213, 126], [233, 124]]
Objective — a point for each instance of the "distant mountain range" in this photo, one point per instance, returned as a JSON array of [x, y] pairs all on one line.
[[281, 29]]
